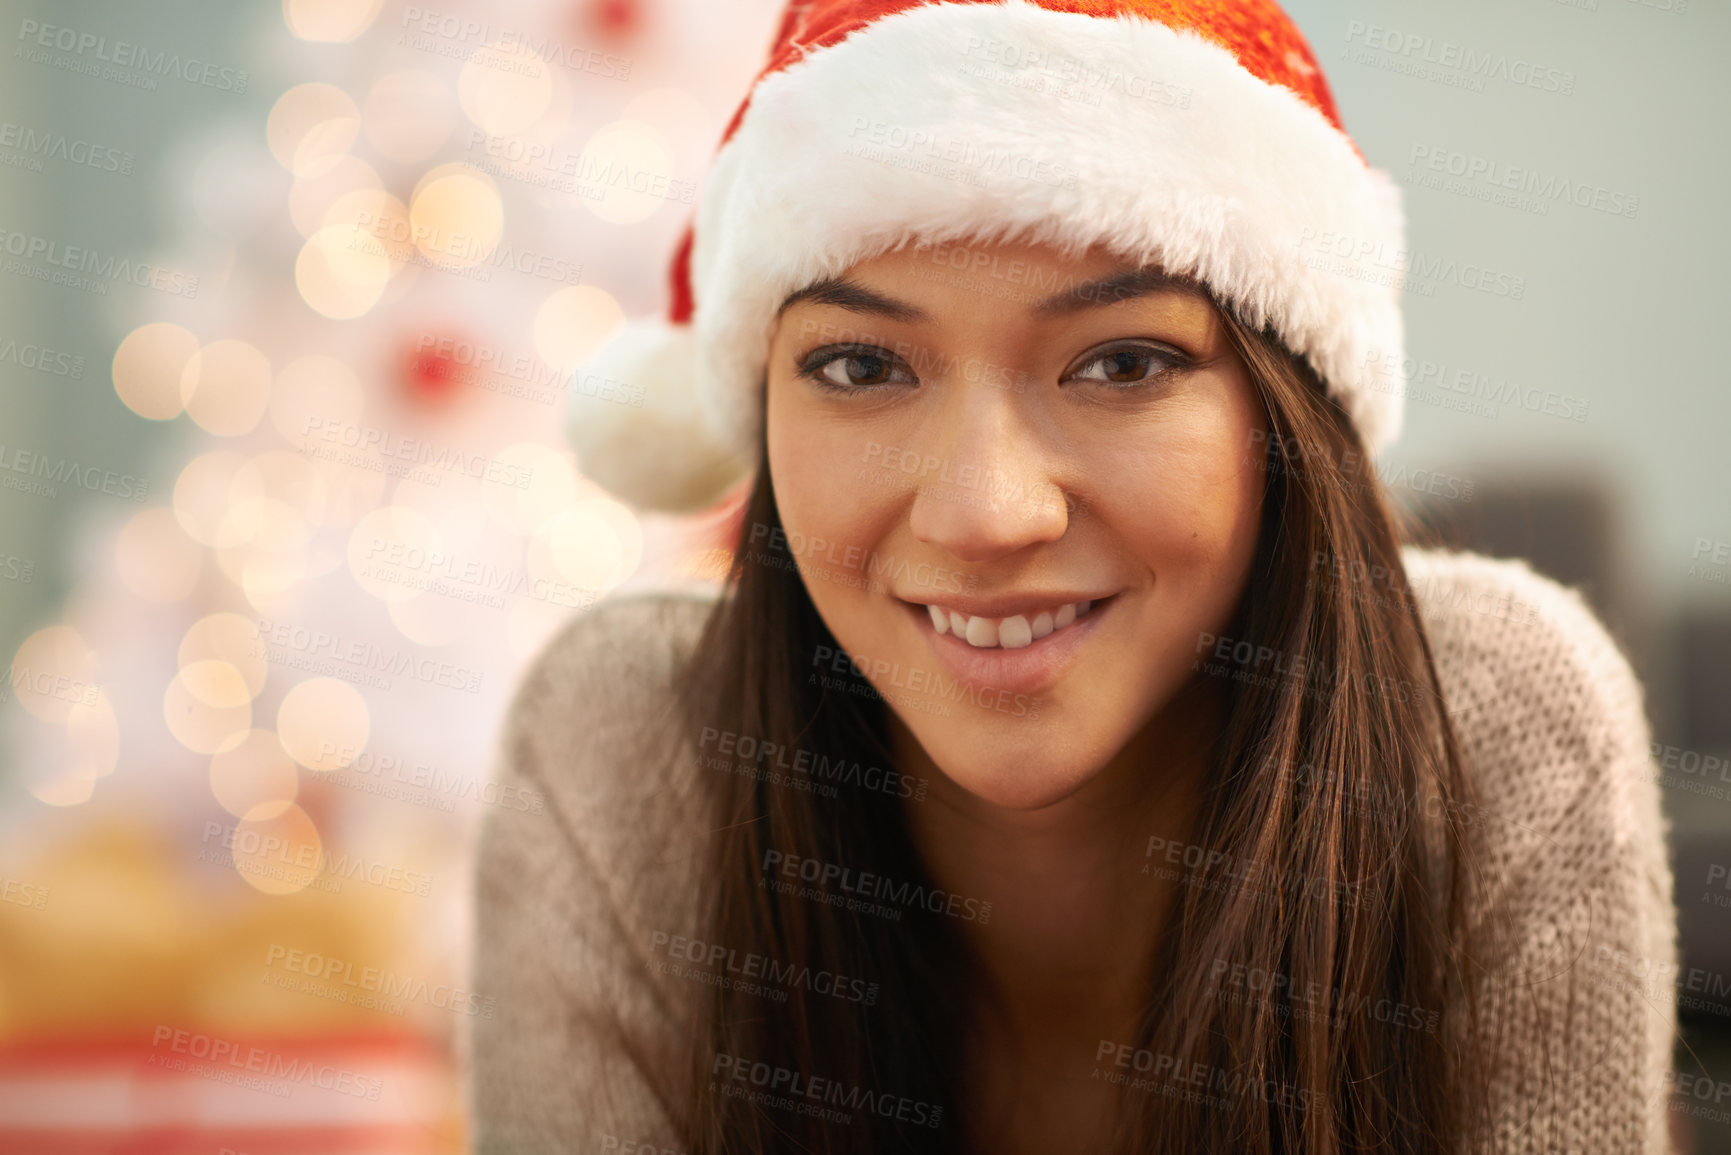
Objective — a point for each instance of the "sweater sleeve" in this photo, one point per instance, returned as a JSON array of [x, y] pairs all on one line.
[[1572, 861], [585, 1050]]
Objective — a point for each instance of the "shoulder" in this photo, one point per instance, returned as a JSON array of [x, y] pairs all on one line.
[[1552, 725], [601, 690], [593, 734], [1551, 722], [1516, 650]]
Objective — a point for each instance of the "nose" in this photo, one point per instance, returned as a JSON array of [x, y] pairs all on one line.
[[987, 488]]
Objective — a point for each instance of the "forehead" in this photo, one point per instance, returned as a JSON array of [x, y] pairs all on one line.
[[1016, 277]]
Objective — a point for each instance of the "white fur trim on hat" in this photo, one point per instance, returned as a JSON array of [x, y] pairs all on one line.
[[920, 126], [640, 432]]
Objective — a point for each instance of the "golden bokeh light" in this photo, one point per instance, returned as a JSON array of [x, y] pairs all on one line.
[[591, 546], [255, 774], [323, 724], [282, 476], [68, 789], [505, 88], [394, 552], [572, 323], [408, 115], [207, 707], [277, 849], [315, 395], [147, 369], [201, 495], [456, 216], [342, 271], [381, 216], [52, 672], [323, 184], [155, 558], [644, 161], [231, 638], [553, 486], [329, 21], [225, 387], [309, 123]]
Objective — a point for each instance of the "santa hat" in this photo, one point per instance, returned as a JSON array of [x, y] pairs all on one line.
[[1199, 135]]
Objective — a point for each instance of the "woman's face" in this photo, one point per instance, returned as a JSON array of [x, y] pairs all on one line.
[[1020, 487]]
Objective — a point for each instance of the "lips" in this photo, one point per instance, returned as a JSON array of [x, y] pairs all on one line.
[[996, 670], [1012, 632]]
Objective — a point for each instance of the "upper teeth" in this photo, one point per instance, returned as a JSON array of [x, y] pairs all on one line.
[[1012, 632]]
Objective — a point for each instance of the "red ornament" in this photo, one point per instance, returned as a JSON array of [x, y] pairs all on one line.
[[616, 19], [430, 369]]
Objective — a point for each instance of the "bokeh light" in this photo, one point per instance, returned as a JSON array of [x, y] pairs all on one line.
[[148, 367], [323, 724]]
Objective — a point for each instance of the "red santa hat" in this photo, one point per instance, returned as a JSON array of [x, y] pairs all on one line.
[[1198, 135]]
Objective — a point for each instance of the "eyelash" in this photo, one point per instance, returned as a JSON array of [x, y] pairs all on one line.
[[815, 362]]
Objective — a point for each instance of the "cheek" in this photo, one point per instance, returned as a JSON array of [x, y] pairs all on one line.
[[1189, 504], [832, 518]]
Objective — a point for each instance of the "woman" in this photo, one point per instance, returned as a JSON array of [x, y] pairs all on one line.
[[1074, 760]]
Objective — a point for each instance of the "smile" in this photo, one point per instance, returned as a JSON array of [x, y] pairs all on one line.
[[1010, 633]]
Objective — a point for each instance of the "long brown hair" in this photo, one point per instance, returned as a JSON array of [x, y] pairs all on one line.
[[1336, 773]]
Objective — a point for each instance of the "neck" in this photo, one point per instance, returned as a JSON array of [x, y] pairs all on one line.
[[1074, 921]]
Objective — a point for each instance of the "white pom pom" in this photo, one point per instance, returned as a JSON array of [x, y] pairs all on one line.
[[638, 426]]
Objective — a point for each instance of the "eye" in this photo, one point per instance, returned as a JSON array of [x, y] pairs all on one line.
[[849, 368], [1126, 364]]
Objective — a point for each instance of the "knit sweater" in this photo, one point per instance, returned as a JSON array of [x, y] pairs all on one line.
[[1570, 840]]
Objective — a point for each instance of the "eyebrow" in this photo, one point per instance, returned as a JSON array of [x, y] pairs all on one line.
[[1121, 286]]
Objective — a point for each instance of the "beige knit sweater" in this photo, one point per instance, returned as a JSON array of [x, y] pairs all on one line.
[[570, 900]]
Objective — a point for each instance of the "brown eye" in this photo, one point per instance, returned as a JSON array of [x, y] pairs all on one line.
[[863, 370], [1126, 365]]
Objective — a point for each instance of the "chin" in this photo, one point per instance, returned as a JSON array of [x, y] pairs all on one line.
[[1022, 764]]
